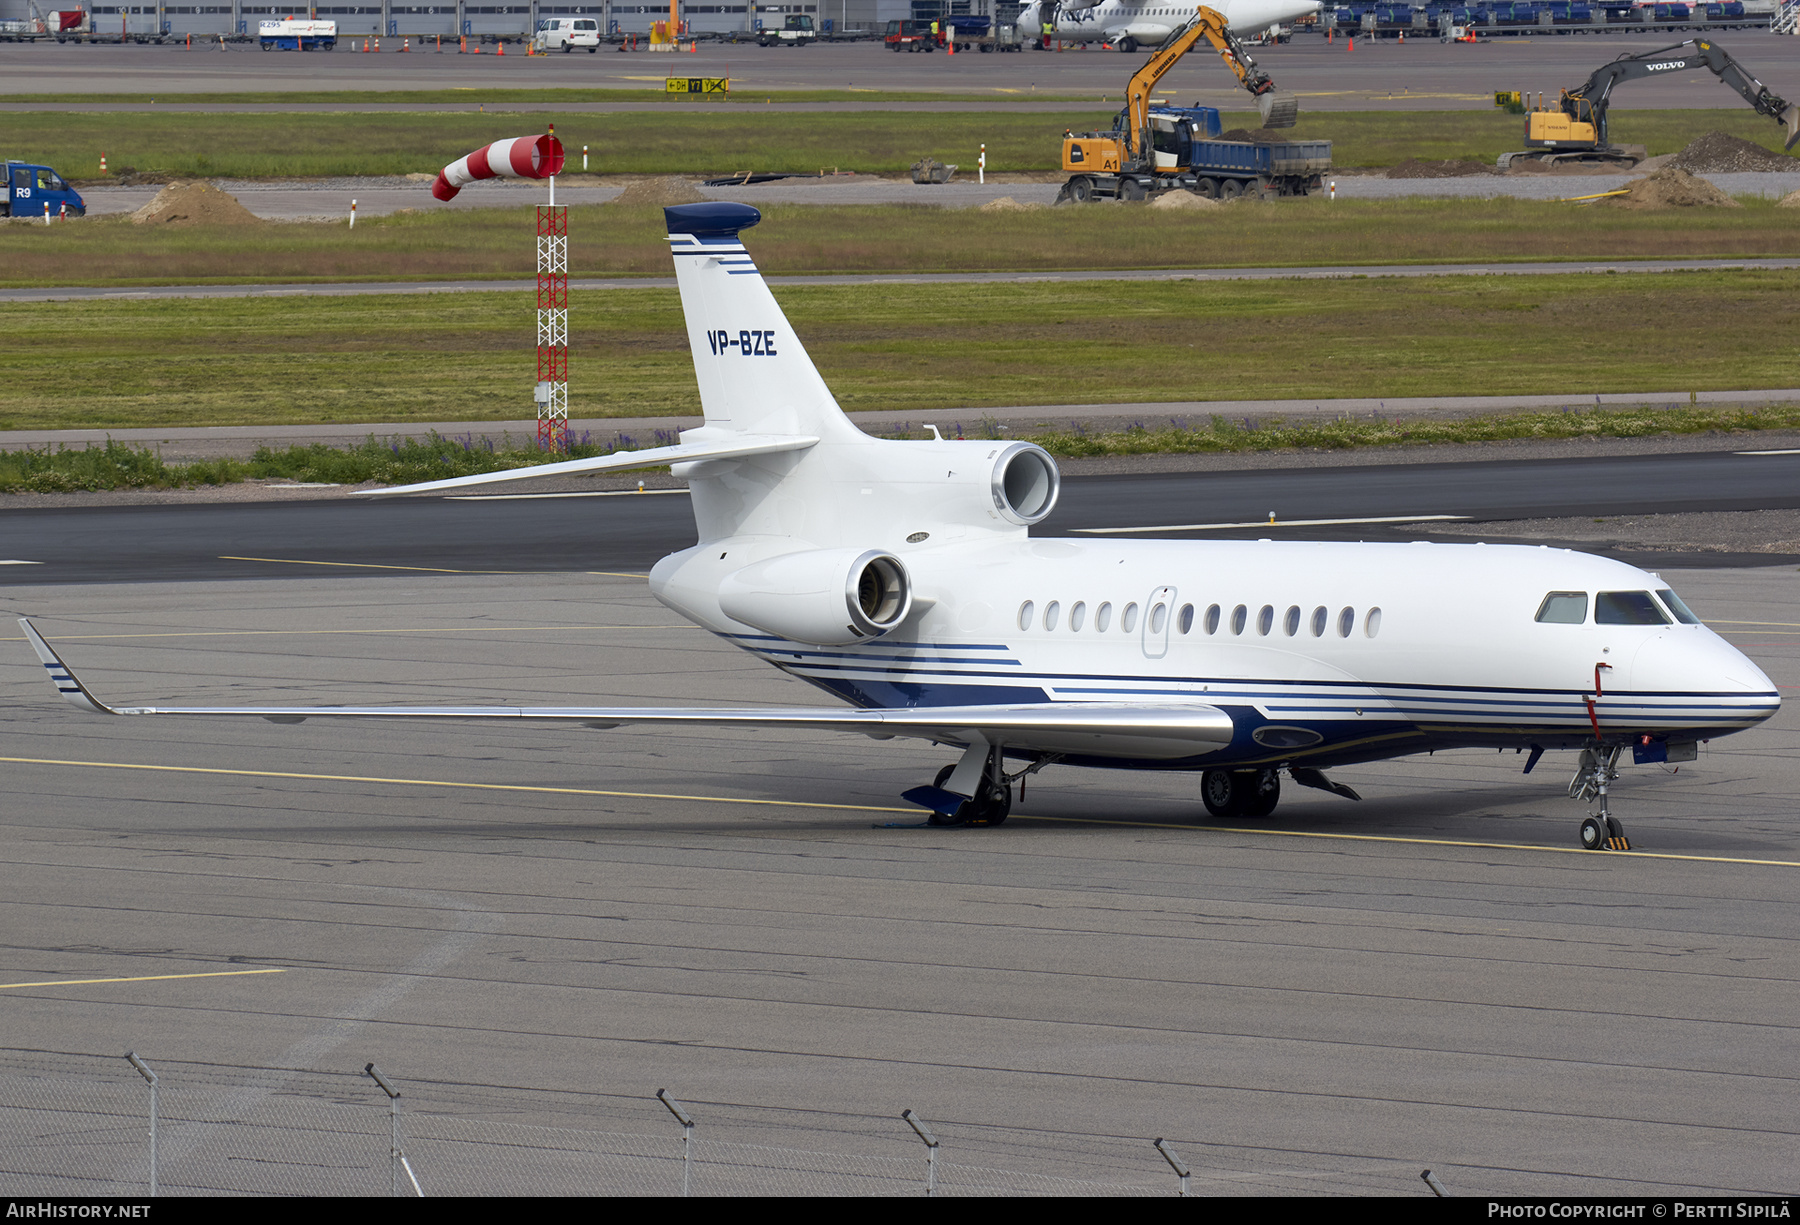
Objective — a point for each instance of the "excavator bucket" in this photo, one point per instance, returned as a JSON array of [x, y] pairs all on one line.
[[1281, 111], [1791, 117]]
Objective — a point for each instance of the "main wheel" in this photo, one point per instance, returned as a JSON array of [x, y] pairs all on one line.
[[1208, 188], [990, 805], [1127, 44], [1593, 834], [1218, 793], [1262, 791], [1131, 189], [1231, 189], [1081, 190]]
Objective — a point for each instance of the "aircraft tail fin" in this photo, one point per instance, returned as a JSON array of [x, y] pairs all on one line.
[[754, 374]]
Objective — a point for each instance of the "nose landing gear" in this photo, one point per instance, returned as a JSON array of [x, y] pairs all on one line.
[[1596, 772]]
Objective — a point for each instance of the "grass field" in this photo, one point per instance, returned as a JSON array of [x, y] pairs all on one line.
[[613, 240], [119, 364], [671, 142], [407, 459], [743, 90]]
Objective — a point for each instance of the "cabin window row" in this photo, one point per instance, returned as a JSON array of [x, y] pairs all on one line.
[[1238, 621]]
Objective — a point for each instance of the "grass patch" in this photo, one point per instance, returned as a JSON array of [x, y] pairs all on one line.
[[744, 89], [1184, 435], [391, 461], [397, 461], [608, 240], [470, 357], [670, 142]]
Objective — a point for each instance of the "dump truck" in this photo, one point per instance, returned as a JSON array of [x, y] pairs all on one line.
[[1574, 130], [1152, 151], [31, 189]]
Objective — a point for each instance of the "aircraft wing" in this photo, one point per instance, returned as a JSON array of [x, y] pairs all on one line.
[[736, 446], [1105, 729]]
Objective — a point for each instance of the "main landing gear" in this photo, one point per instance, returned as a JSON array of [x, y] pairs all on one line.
[[990, 805], [1240, 793], [1596, 772]]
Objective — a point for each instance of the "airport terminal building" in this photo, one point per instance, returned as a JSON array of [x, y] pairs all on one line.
[[478, 18]]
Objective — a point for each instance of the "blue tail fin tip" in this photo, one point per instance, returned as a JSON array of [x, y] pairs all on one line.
[[710, 219]]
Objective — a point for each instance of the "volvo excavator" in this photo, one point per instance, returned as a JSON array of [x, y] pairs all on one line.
[[1575, 129], [1127, 162]]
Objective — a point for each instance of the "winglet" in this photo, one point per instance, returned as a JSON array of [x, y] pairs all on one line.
[[64, 680]]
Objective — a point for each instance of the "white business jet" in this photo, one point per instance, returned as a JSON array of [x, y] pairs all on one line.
[[1130, 24], [902, 577]]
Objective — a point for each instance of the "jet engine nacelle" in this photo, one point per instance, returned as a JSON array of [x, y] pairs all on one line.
[[825, 597]]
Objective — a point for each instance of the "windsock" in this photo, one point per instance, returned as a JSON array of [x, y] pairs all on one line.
[[522, 157]]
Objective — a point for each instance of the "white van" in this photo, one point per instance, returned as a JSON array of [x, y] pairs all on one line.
[[567, 33]]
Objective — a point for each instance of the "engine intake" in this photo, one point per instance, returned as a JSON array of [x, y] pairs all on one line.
[[826, 597], [1026, 484]]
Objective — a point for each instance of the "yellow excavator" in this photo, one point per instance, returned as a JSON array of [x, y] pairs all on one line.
[[1133, 160]]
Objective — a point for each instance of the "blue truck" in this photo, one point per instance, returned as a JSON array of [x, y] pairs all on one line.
[[30, 189], [1189, 156]]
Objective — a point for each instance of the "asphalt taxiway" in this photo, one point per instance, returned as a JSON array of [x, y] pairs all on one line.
[[1322, 1003]]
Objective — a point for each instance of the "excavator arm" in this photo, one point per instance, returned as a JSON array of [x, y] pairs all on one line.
[[1277, 111], [1588, 102]]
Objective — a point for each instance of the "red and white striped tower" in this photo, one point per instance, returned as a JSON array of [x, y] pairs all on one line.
[[553, 325]]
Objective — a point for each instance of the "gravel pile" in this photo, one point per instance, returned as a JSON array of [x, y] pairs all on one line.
[[1671, 187], [194, 204], [660, 193], [1183, 200], [1718, 153], [1006, 204], [1413, 168], [1791, 200]]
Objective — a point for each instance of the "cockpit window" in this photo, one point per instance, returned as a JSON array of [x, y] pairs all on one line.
[[1563, 608], [1682, 612], [1627, 608]]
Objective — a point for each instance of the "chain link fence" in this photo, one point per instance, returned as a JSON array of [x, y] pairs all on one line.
[[81, 1125]]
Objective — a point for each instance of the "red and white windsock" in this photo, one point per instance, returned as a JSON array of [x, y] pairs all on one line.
[[522, 157]]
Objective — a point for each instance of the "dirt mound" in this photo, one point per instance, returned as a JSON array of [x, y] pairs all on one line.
[[660, 192], [1006, 204], [1413, 168], [194, 204], [1183, 200], [1719, 153], [1671, 187], [1791, 200], [1261, 136]]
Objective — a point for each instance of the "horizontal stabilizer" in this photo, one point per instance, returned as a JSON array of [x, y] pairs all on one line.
[[736, 446]]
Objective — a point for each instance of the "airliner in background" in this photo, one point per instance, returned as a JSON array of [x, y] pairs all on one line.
[[1130, 24], [902, 577]]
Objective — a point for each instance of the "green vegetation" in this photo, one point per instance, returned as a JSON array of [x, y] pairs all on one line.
[[612, 240], [394, 461], [1275, 434], [467, 357], [391, 461], [743, 90], [667, 141]]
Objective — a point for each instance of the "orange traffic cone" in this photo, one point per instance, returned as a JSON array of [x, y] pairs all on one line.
[[1352, 46], [406, 45], [500, 50]]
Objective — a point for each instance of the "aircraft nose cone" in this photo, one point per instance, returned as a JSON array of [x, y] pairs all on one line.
[[1694, 668]]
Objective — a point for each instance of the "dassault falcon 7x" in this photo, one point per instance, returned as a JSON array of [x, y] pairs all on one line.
[[902, 577], [1130, 24]]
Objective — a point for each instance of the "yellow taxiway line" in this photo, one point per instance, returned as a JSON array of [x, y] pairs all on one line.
[[146, 978], [740, 800]]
